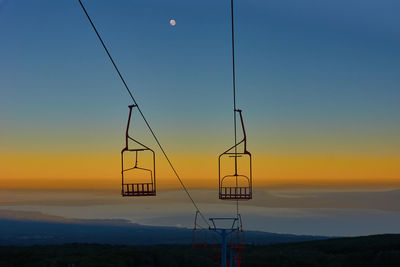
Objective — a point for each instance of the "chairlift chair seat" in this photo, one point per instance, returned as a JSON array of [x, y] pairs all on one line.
[[138, 189]]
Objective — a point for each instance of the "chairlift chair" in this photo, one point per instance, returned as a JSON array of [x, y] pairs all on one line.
[[137, 189], [237, 244], [236, 185], [199, 234], [237, 236]]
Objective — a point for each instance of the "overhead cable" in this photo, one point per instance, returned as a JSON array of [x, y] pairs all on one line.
[[142, 115]]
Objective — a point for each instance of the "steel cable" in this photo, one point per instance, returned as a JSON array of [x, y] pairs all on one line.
[[141, 113], [234, 97]]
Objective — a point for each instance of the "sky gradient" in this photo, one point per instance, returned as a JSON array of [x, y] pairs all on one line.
[[318, 82]]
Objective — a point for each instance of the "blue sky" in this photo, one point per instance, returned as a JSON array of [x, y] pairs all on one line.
[[302, 66], [317, 80]]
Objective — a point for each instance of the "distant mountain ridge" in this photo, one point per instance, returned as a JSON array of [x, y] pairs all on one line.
[[37, 216], [22, 228]]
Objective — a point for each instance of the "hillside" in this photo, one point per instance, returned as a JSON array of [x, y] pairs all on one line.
[[379, 250], [376, 250]]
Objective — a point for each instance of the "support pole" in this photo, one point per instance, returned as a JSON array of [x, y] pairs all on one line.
[[224, 233], [231, 262], [223, 248]]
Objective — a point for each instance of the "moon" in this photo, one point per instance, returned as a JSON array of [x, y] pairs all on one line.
[[172, 22]]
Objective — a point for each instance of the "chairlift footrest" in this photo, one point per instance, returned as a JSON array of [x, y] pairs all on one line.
[[138, 194]]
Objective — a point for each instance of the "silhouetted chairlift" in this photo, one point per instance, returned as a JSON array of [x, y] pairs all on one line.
[[229, 229], [236, 185], [137, 189], [237, 236], [237, 244], [199, 234]]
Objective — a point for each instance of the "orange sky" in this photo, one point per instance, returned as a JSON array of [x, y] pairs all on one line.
[[318, 110], [88, 170]]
